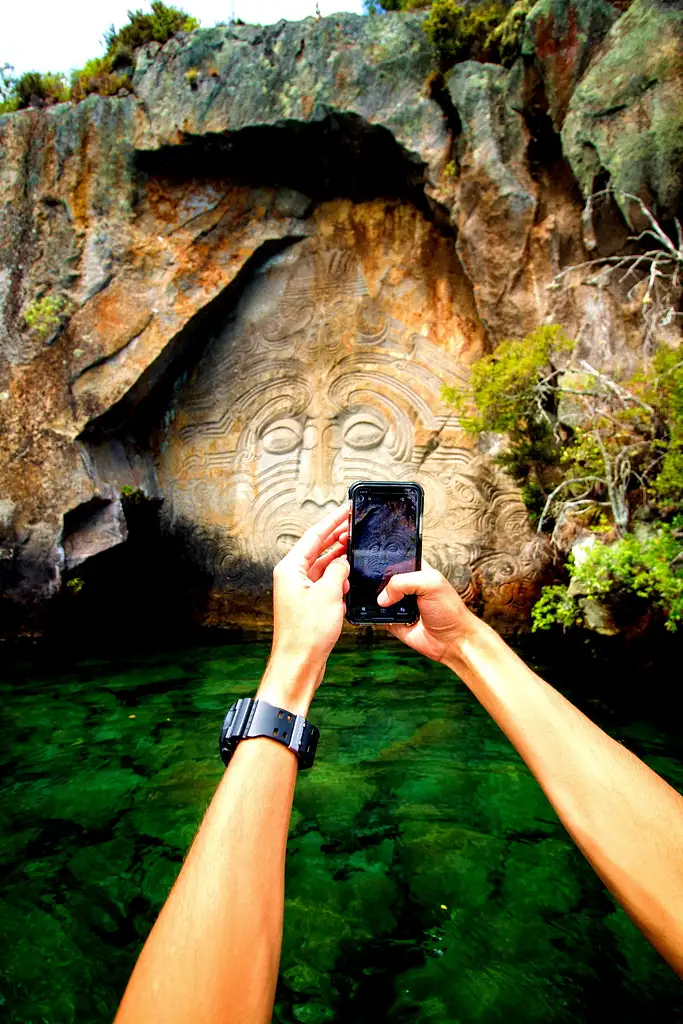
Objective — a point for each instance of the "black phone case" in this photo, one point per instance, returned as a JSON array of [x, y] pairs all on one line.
[[369, 484]]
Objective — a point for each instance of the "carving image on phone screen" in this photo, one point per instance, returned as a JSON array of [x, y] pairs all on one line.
[[385, 542]]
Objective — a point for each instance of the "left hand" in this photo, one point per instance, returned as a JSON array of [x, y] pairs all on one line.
[[309, 585]]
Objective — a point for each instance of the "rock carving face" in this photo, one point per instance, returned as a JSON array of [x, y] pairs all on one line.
[[311, 386]]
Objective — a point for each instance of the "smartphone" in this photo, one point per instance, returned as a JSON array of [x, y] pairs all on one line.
[[385, 537]]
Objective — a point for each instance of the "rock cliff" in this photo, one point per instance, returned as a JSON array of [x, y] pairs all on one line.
[[270, 256]]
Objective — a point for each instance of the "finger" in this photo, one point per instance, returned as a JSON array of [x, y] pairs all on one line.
[[315, 539], [337, 548], [335, 575], [346, 586], [341, 531], [321, 563], [421, 583], [400, 630]]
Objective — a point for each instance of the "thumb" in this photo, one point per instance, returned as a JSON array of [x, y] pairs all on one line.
[[421, 583], [335, 574]]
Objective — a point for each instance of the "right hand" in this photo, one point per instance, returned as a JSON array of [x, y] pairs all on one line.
[[444, 619]]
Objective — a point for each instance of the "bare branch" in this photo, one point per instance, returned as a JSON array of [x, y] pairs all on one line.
[[565, 483], [623, 393]]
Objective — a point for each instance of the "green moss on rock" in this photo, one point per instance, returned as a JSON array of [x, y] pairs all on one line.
[[625, 118]]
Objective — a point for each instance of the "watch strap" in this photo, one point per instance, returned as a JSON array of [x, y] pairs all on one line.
[[249, 718]]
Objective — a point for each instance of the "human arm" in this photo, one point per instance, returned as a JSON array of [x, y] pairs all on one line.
[[213, 953], [625, 819]]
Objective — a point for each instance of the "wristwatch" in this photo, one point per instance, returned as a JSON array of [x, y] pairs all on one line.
[[249, 718]]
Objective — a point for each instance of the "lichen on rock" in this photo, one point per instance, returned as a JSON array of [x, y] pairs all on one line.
[[625, 120]]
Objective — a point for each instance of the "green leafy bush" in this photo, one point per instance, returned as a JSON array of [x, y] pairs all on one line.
[[504, 42], [502, 392], [485, 32], [159, 26], [649, 568], [98, 76], [555, 608], [42, 316], [109, 74], [467, 31], [611, 457], [459, 32], [32, 89], [578, 440], [8, 99], [510, 392], [665, 393]]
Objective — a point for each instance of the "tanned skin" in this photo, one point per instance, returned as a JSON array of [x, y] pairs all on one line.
[[213, 954]]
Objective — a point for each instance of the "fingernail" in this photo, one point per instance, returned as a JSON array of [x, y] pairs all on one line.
[[383, 598]]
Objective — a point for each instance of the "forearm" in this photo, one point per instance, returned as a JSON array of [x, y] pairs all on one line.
[[214, 951], [625, 818]]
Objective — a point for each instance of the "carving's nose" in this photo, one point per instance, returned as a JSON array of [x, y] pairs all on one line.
[[319, 447]]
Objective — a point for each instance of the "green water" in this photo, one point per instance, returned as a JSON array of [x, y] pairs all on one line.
[[428, 878]]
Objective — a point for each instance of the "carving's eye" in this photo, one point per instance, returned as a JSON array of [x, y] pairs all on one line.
[[281, 437], [363, 432]]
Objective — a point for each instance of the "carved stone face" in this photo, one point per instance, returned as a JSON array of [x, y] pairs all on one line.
[[315, 384]]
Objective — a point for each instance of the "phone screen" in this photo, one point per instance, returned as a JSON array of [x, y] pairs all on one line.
[[385, 541]]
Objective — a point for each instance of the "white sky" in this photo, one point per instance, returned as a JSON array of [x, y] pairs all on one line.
[[59, 35]]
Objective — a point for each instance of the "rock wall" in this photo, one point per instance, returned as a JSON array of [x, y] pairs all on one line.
[[269, 268]]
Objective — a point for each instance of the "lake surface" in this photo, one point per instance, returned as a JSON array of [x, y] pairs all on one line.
[[428, 877]]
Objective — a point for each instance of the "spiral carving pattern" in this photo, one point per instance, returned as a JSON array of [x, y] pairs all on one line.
[[315, 383]]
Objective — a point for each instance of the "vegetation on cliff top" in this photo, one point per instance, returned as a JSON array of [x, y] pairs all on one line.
[[487, 31], [106, 75]]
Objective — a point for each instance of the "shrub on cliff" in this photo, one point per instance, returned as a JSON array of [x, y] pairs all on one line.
[[32, 89], [510, 392], [632, 576], [159, 26], [579, 442], [465, 31], [459, 32], [98, 76], [108, 75], [8, 100], [504, 42]]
